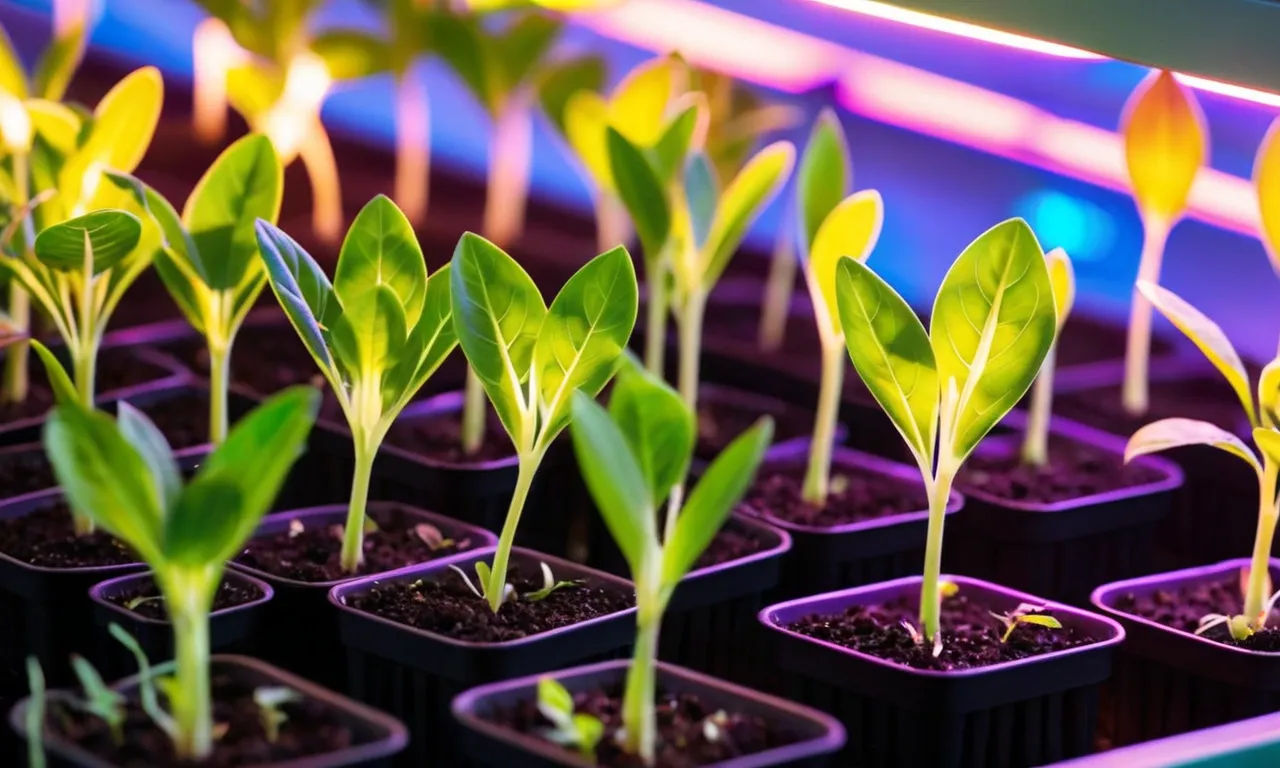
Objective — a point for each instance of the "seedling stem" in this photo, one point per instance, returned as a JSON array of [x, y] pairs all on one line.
[[1138, 347], [1035, 448], [353, 546], [638, 700], [939, 493], [818, 477], [1259, 567], [190, 599], [219, 377], [413, 147], [655, 340], [613, 225], [474, 403], [779, 288], [529, 463], [16, 375]]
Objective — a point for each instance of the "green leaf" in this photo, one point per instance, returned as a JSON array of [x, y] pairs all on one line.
[[686, 131], [554, 702], [428, 344], [58, 64], [658, 427], [1207, 336], [103, 477], [641, 191], [522, 46], [461, 43], [851, 229], [237, 484], [154, 449], [497, 315], [616, 481], [64, 392], [745, 197], [562, 80], [380, 252], [993, 323], [367, 346], [111, 234], [891, 353], [585, 330], [302, 288], [13, 76], [638, 105], [716, 494], [1175, 433], [56, 123], [252, 89], [1268, 441], [824, 177], [119, 133], [243, 185], [350, 54]]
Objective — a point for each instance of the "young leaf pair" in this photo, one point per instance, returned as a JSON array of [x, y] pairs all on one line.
[[632, 457], [992, 325], [1264, 419], [121, 474]]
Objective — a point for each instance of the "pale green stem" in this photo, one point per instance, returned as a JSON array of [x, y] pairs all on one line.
[[353, 534], [510, 148], [16, 376], [613, 227], [189, 599], [473, 413], [84, 360], [639, 720], [818, 477], [529, 462], [691, 315], [413, 147], [1035, 445], [778, 292], [1138, 347], [655, 340], [939, 492], [317, 158], [219, 377], [1256, 596]]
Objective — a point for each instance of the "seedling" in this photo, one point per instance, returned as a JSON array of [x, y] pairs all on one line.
[[61, 192], [1165, 143], [122, 474], [632, 457], [1035, 444], [34, 721], [992, 325], [270, 699], [549, 585], [209, 259], [100, 701], [831, 226], [531, 358], [1025, 613], [1265, 421], [147, 697], [569, 729], [378, 331]]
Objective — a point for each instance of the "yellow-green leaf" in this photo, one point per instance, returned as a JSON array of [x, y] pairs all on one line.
[[638, 106], [1207, 336], [119, 133], [586, 116], [1176, 433], [56, 123], [1063, 279], [1269, 395], [1266, 180], [743, 200], [1165, 143], [1268, 441], [851, 229], [824, 177], [13, 78]]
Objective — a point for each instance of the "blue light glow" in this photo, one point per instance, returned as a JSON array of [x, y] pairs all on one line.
[[1060, 220]]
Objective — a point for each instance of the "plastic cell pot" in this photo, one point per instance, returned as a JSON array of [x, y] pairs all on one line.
[[231, 630], [414, 674], [490, 745], [299, 629], [1168, 681], [375, 736], [1065, 549], [1252, 743], [1027, 712], [823, 558]]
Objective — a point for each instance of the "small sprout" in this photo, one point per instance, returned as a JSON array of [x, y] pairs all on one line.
[[937, 644], [549, 585], [948, 589], [370, 525], [296, 528], [569, 729], [140, 600], [713, 726], [482, 576], [916, 637], [35, 715], [1239, 626], [431, 536], [220, 730], [1025, 613], [270, 699], [100, 701], [146, 682]]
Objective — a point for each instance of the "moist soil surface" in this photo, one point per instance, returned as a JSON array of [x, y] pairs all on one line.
[[684, 722], [231, 593], [26, 470], [1086, 339], [732, 542], [1206, 397], [721, 420], [47, 538], [446, 606], [856, 494], [1074, 470], [439, 437], [971, 636], [313, 553], [311, 728], [1182, 608], [117, 369]]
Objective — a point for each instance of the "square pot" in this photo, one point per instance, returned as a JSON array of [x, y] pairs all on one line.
[[376, 737], [414, 674], [1065, 549], [493, 746], [1026, 712], [1252, 743], [299, 630], [1167, 681], [231, 630], [823, 558]]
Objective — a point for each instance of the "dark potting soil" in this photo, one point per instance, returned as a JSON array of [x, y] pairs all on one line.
[[118, 368], [971, 636], [447, 606], [150, 605], [1182, 609], [439, 437], [732, 542], [265, 359], [46, 538], [1085, 339], [720, 422], [855, 494], [314, 553], [1206, 397], [1074, 470], [310, 728], [25, 471], [690, 731], [183, 418]]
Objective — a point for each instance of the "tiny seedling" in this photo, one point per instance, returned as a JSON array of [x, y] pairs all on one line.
[[208, 258], [632, 457], [549, 585], [1265, 422], [377, 332], [992, 325], [1165, 143], [531, 358], [568, 728], [34, 722], [1025, 613], [270, 700], [832, 226], [1035, 444], [121, 473], [100, 701], [147, 682]]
